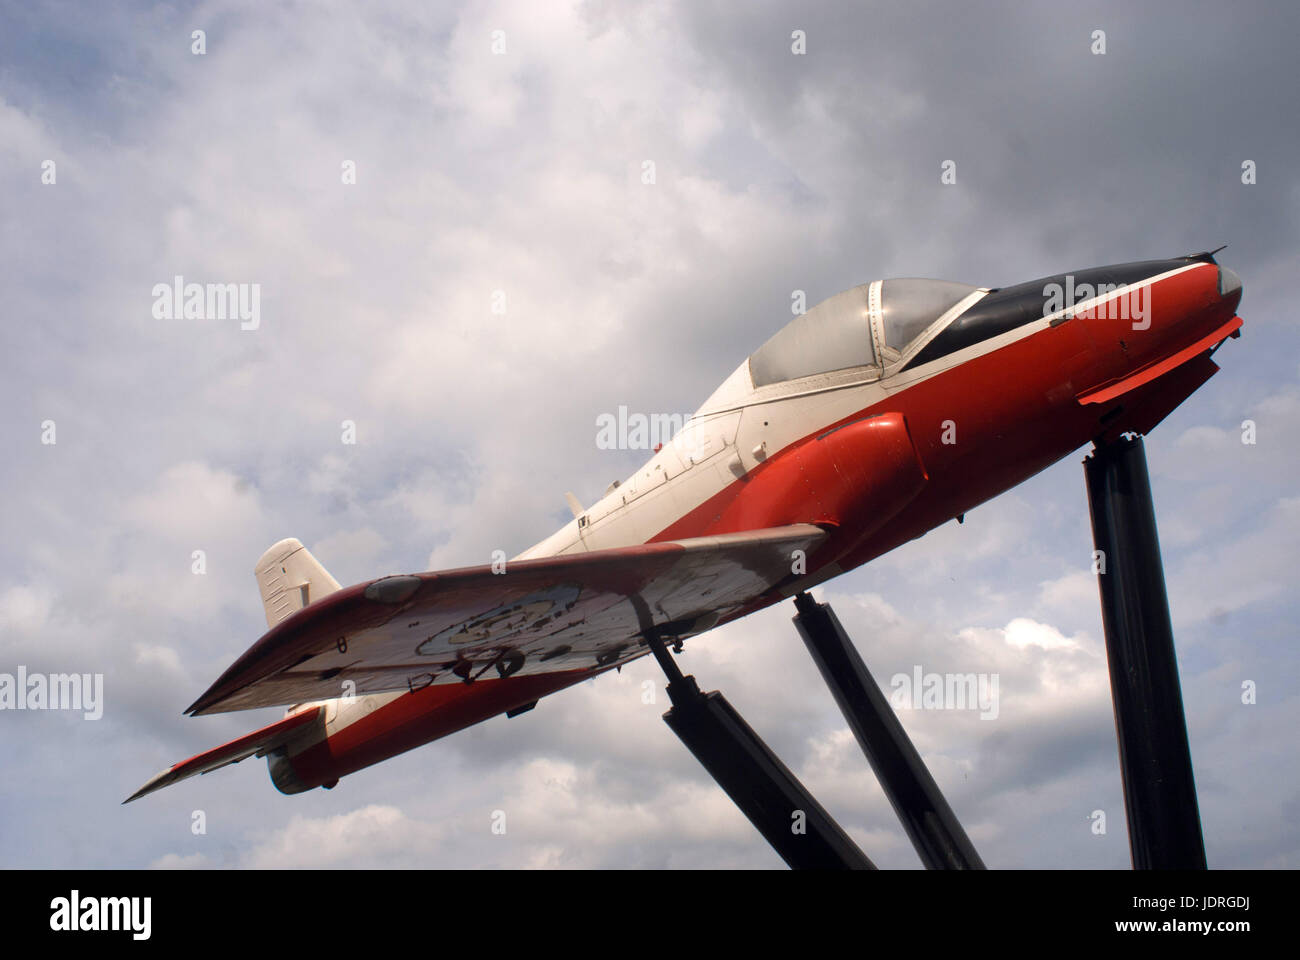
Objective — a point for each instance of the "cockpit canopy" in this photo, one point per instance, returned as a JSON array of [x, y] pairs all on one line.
[[909, 306], [868, 326]]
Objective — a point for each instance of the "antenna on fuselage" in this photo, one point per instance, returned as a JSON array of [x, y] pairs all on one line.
[[1208, 255], [574, 505]]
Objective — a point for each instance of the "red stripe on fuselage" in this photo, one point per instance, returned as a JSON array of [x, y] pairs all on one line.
[[419, 718]]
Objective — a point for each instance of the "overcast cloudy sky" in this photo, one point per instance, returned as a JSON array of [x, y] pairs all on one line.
[[521, 172]]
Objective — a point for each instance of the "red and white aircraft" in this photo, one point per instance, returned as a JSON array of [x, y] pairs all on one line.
[[876, 416]]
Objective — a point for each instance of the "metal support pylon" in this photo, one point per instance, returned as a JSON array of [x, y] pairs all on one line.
[[764, 789], [1164, 822], [933, 828]]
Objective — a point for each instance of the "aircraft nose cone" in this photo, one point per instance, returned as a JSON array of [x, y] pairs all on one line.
[[1229, 285]]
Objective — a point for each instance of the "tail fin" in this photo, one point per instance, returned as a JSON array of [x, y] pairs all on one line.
[[289, 578]]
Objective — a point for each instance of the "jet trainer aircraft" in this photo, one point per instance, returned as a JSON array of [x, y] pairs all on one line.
[[872, 418]]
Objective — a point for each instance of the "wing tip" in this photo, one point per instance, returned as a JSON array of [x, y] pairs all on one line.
[[156, 782], [208, 699], [205, 705]]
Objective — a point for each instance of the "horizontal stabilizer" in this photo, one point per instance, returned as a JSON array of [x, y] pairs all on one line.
[[258, 743]]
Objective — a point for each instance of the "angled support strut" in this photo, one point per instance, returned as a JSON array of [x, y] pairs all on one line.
[[765, 790], [931, 825]]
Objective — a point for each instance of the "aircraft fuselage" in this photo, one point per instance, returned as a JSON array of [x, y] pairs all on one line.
[[992, 389]]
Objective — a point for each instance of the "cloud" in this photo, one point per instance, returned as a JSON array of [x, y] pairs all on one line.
[[370, 835], [176, 861], [522, 173]]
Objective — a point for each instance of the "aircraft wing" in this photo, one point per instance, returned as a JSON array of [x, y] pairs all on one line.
[[548, 615], [258, 743]]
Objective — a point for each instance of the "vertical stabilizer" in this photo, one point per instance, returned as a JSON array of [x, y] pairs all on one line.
[[289, 578]]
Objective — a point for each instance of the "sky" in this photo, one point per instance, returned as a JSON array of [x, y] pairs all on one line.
[[499, 275]]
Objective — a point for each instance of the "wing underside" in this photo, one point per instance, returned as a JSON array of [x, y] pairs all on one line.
[[576, 611]]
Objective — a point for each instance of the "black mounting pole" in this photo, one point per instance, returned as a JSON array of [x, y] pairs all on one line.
[[765, 790], [930, 823], [1164, 822]]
